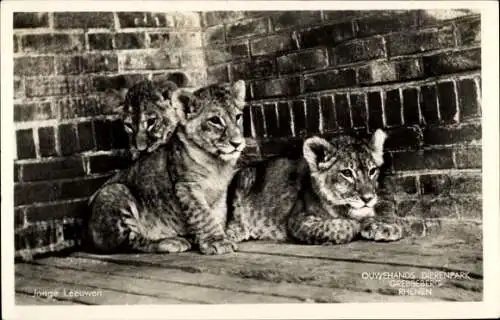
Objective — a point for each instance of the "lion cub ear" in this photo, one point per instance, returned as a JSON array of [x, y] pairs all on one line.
[[239, 92], [115, 100], [184, 104], [377, 145], [318, 153]]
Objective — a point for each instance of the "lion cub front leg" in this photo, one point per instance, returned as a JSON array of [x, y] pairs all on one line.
[[201, 221]]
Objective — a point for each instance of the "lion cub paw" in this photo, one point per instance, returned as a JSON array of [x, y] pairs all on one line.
[[217, 247], [379, 231]]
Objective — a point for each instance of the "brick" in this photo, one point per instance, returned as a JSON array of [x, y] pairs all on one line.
[[259, 67], [435, 184], [217, 55], [428, 104], [85, 136], [375, 113], [68, 140], [25, 144], [29, 193], [18, 88], [343, 114], [468, 98], [103, 83], [53, 43], [27, 20], [399, 186], [150, 61], [359, 50], [334, 79], [106, 163], [219, 73], [403, 138], [100, 41], [408, 208], [408, 43], [328, 114], [342, 15], [87, 64], [313, 115], [247, 123], [171, 40], [185, 20], [246, 28], [447, 101], [299, 117], [456, 135], [438, 159], [326, 35], [390, 71], [466, 184], [438, 208], [303, 60], [276, 87], [85, 20], [240, 50], [214, 35], [130, 40], [40, 86], [284, 119], [19, 218], [118, 135], [80, 189], [470, 207], [34, 66], [193, 59], [271, 44], [288, 19], [57, 211], [258, 120], [452, 62], [58, 169], [437, 16], [410, 106], [469, 32], [70, 108], [271, 119], [384, 23], [17, 172], [218, 17], [393, 108], [102, 130], [408, 160], [35, 111], [141, 19], [47, 141], [468, 158], [358, 110]]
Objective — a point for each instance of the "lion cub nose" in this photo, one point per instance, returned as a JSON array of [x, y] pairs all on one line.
[[367, 197], [236, 142]]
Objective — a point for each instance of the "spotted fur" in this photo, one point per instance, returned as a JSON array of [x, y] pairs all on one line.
[[175, 197], [327, 197]]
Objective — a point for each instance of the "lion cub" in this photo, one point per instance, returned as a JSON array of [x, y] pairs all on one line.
[[175, 197], [327, 197]]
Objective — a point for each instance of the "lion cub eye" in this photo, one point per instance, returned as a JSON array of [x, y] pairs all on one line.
[[239, 116], [347, 173], [372, 171], [216, 121]]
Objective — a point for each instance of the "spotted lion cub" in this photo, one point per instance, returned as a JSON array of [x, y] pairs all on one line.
[[175, 196], [327, 197]]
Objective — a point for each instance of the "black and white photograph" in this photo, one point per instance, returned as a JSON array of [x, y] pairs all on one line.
[[220, 153]]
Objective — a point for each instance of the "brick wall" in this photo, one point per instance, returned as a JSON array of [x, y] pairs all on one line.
[[68, 140], [414, 73]]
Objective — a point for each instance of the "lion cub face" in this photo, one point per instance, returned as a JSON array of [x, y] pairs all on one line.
[[212, 118], [345, 171]]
